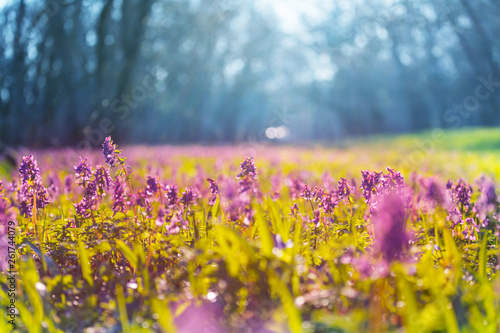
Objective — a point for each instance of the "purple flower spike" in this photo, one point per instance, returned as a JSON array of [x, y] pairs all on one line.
[[370, 182], [109, 151], [307, 193], [393, 180], [67, 184], [329, 202], [152, 186], [31, 187], [28, 170], [435, 193], [119, 196], [214, 190], [25, 209], [248, 169], [102, 180], [83, 171], [487, 201], [344, 189], [463, 195], [188, 197], [42, 197], [389, 222], [160, 219], [171, 194], [316, 218], [318, 194]]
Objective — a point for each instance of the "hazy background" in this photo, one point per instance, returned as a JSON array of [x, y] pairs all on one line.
[[167, 71]]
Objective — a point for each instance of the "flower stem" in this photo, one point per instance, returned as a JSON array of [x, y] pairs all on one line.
[[34, 214], [130, 188]]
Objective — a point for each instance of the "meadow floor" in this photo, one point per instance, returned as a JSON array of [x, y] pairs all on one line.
[[374, 235]]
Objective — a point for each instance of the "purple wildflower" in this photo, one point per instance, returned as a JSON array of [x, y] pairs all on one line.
[[31, 187], [370, 182], [295, 187], [28, 170], [188, 197], [67, 184], [173, 221], [389, 221], [279, 244], [454, 217], [316, 217], [344, 189], [463, 194], [318, 194], [53, 185], [214, 190], [328, 202], [110, 152], [152, 186], [275, 187], [142, 200], [487, 201], [119, 194], [42, 197], [25, 208], [160, 218], [363, 266], [248, 169], [82, 208], [83, 171], [233, 210], [392, 180], [470, 229], [89, 199], [102, 180], [294, 210], [307, 194], [245, 185], [247, 212], [13, 186], [171, 194], [149, 209], [434, 192]]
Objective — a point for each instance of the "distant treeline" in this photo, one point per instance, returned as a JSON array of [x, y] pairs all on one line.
[[180, 71]]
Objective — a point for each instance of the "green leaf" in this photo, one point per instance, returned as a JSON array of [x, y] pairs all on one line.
[[165, 318], [127, 253], [32, 324], [85, 263], [216, 208], [122, 308], [453, 255], [483, 259], [265, 235], [293, 314], [407, 293]]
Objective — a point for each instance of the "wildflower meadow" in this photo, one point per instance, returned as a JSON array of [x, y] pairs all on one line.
[[211, 239]]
